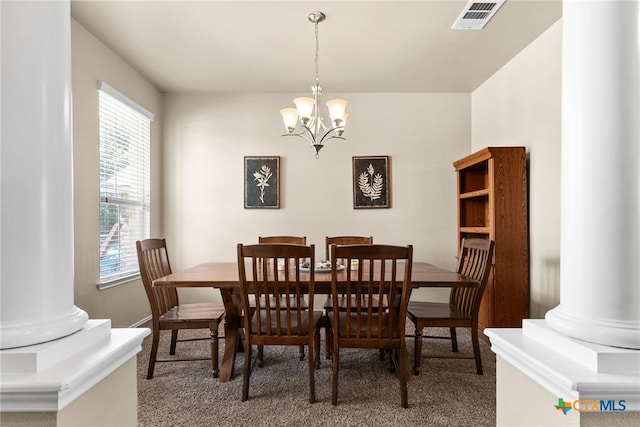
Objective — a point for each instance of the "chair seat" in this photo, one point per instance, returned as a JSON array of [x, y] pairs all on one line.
[[283, 323], [199, 312], [434, 310]]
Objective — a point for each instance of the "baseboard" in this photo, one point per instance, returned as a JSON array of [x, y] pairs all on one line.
[[141, 322]]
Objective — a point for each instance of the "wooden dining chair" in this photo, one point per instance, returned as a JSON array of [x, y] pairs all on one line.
[[294, 240], [276, 320], [166, 311], [359, 325], [475, 260], [328, 304]]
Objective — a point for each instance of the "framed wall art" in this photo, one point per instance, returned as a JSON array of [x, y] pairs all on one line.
[[261, 182], [371, 184]]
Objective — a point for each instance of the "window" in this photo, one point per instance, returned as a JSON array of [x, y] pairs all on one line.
[[125, 141]]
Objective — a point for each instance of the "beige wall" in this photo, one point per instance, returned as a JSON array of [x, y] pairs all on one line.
[[199, 141], [93, 61], [198, 145], [520, 105], [207, 136]]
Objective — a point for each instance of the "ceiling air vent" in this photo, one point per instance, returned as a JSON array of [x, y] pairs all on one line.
[[476, 14]]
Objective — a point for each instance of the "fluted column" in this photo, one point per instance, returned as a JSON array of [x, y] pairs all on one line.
[[36, 194], [600, 219]]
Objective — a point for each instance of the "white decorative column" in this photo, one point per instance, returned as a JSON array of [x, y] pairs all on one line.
[[50, 353], [36, 231], [581, 365], [600, 217]]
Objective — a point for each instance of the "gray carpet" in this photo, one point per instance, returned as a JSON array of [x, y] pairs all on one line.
[[446, 393]]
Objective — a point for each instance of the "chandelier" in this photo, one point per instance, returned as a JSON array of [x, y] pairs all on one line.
[[307, 114]]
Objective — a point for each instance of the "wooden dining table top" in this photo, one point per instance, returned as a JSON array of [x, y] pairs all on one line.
[[225, 275]]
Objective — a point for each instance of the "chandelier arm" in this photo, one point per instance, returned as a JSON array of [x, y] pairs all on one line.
[[300, 135], [311, 136], [325, 127], [333, 137], [327, 136], [305, 134]]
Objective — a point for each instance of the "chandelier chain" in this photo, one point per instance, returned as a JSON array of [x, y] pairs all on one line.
[[317, 53]]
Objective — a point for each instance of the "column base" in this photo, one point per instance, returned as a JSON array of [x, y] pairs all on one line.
[[537, 366], [47, 377], [606, 332], [28, 333]]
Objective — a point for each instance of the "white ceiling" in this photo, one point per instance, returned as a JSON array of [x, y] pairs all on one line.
[[268, 46]]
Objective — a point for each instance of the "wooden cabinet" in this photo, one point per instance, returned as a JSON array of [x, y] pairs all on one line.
[[492, 203]]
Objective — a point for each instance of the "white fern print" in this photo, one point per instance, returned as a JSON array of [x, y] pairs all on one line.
[[370, 184]]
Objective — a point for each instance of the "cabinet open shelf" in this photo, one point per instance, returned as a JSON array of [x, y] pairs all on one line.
[[476, 230], [475, 178], [474, 212], [472, 194]]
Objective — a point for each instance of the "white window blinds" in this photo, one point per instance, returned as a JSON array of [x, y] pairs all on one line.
[[125, 141]]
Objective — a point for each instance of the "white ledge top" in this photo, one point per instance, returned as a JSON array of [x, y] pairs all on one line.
[[568, 367], [35, 384]]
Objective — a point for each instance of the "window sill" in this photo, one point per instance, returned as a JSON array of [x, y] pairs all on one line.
[[117, 281]]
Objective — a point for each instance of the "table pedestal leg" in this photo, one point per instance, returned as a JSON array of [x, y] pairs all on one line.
[[233, 335]]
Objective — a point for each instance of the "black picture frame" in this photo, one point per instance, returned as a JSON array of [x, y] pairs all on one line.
[[262, 182], [371, 183]]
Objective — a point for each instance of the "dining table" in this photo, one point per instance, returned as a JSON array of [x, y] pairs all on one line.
[[224, 276]]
